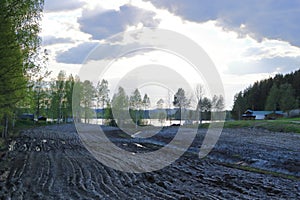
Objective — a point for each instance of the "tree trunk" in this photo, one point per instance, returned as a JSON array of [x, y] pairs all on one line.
[[5, 128], [180, 116], [200, 117]]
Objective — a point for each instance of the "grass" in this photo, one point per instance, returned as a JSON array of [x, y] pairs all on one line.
[[279, 125]]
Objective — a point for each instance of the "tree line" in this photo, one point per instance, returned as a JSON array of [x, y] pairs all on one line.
[[65, 97], [279, 93], [138, 105]]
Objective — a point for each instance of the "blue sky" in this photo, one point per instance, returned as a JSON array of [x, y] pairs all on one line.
[[247, 40]]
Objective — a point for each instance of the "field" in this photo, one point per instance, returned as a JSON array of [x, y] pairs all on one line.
[[50, 162]]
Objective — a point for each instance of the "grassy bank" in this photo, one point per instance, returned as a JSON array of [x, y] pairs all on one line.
[[279, 125]]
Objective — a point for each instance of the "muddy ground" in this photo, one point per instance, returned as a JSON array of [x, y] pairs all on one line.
[[52, 163]]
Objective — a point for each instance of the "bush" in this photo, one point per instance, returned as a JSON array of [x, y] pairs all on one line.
[[113, 123]]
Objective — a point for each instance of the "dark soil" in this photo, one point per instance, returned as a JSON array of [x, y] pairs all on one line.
[[51, 163]]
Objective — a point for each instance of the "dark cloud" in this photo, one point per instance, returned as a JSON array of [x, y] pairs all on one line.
[[104, 24], [95, 51], [62, 5], [76, 55], [276, 19], [266, 65], [51, 40]]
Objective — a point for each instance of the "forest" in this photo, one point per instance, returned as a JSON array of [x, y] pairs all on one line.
[[279, 93]]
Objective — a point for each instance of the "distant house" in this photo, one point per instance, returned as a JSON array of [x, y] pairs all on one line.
[[294, 113], [42, 118], [248, 115], [274, 115], [260, 115], [27, 116]]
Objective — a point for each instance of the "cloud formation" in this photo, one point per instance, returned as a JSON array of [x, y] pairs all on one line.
[[264, 65], [62, 5], [52, 40], [102, 24], [275, 19], [76, 55], [95, 51]]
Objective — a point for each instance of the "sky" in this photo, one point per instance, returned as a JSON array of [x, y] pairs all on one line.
[[246, 40]]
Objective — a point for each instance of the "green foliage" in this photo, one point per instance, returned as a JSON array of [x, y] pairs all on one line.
[[24, 17], [102, 93], [279, 125], [69, 86], [180, 100], [57, 96], [136, 100], [239, 106], [136, 103], [162, 115], [287, 99], [273, 99], [88, 93], [76, 99], [205, 104], [108, 112], [19, 42], [269, 94], [2, 144], [146, 102], [12, 81], [120, 106], [281, 98], [217, 103]]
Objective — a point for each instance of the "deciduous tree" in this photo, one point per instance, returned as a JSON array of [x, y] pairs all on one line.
[[120, 106], [181, 101]]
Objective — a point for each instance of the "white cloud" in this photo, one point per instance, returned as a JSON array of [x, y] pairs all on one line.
[[62, 5], [63, 25], [52, 40], [239, 60]]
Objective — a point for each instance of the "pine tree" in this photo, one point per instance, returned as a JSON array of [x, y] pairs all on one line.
[[287, 99], [273, 99]]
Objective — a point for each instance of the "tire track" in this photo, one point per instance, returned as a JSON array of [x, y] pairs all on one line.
[[51, 163]]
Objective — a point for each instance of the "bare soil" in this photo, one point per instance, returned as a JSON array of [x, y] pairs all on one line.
[[52, 163]]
